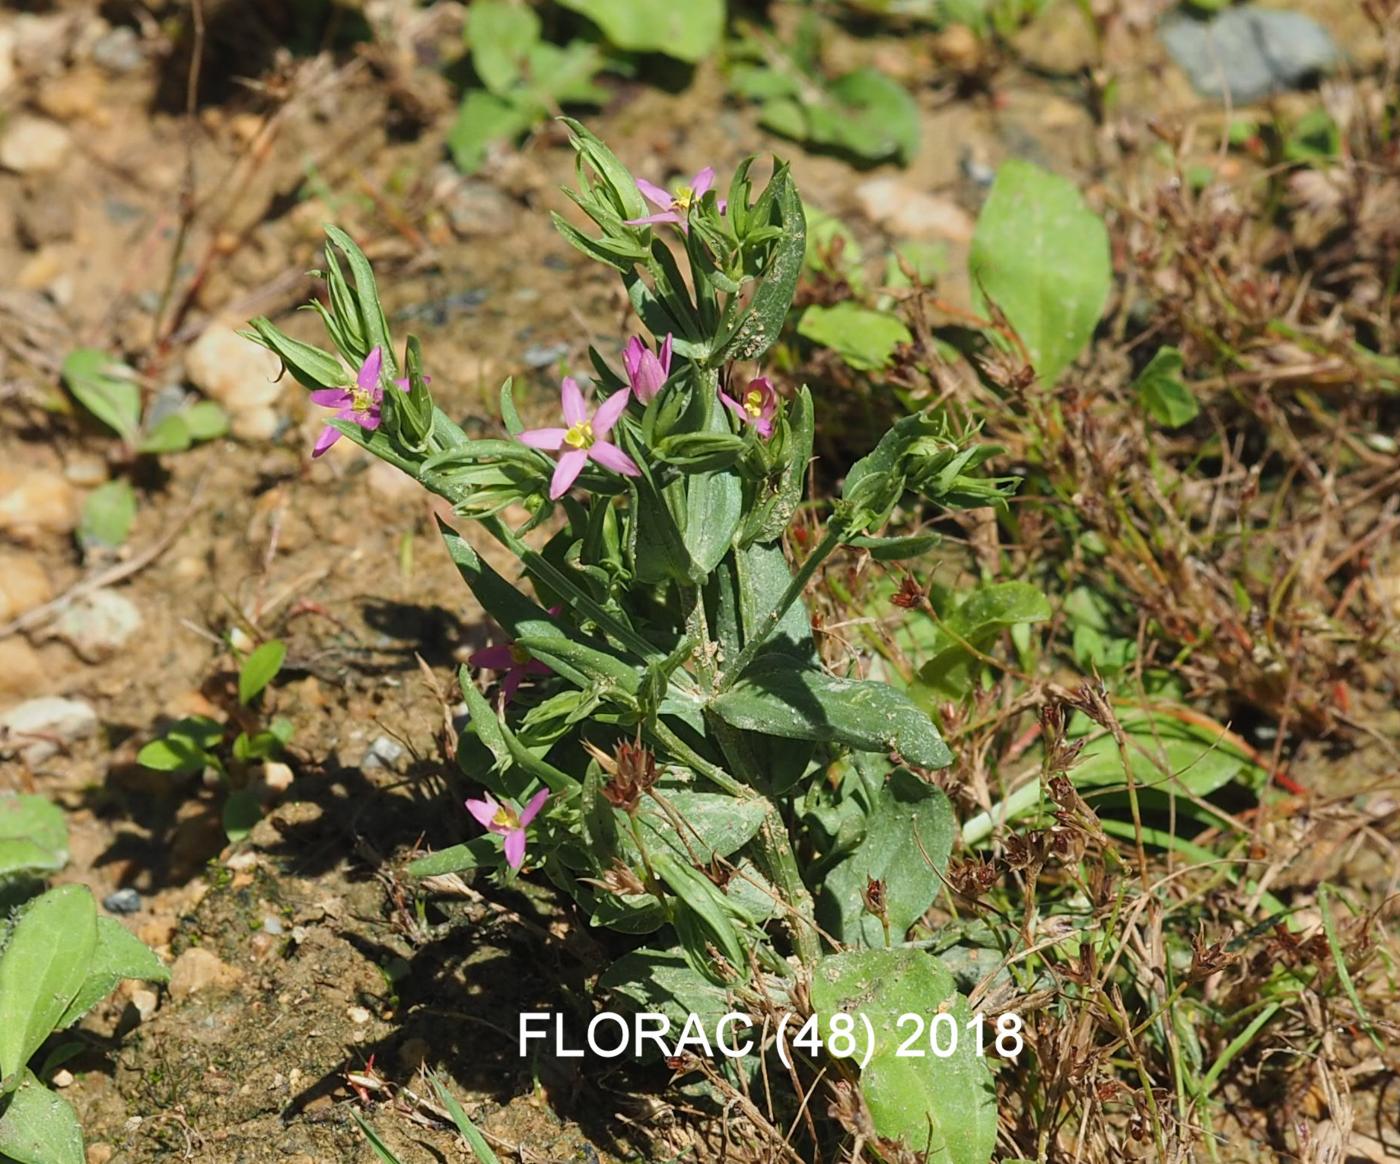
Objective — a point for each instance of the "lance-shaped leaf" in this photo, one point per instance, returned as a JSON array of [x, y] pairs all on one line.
[[373, 326], [118, 955], [309, 365], [776, 698], [39, 1127]]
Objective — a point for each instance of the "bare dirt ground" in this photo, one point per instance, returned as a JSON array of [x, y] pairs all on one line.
[[300, 955]]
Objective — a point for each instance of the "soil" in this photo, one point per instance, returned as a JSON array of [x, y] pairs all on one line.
[[324, 965]]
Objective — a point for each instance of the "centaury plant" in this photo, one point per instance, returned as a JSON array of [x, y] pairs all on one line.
[[666, 745]]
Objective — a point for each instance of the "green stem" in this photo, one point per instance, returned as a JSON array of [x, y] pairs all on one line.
[[794, 591], [781, 866]]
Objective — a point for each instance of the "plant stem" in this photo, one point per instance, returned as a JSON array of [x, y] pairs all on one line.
[[781, 867], [834, 533]]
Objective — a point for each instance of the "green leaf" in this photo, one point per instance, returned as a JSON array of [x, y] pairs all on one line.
[[1166, 753], [687, 32], [473, 854], [500, 34], [108, 513], [483, 119], [310, 366], [663, 982], [468, 1130], [982, 616], [869, 115], [185, 747], [908, 836], [897, 549], [39, 1127], [1042, 256], [776, 698], [702, 917], [42, 968], [715, 825], [942, 1107], [370, 313], [242, 810], [171, 435], [259, 669], [1161, 392], [863, 338], [33, 835], [107, 388], [118, 955], [205, 420]]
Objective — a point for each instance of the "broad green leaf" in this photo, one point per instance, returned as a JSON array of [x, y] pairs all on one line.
[[171, 435], [865, 339], [500, 34], [663, 982], [763, 579], [975, 624], [483, 119], [118, 955], [715, 825], [869, 115], [776, 698], [33, 835], [1167, 754], [688, 32], [714, 506], [259, 669], [1161, 392], [908, 836], [702, 916], [205, 420], [942, 1107], [107, 388], [108, 513], [1042, 256], [185, 747], [39, 1127], [42, 968], [242, 810]]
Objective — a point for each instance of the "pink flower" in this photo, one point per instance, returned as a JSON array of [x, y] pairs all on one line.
[[514, 660], [360, 403], [504, 819], [584, 438], [646, 372], [675, 207], [758, 406]]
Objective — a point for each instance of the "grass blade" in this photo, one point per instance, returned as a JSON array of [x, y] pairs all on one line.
[[475, 1140]]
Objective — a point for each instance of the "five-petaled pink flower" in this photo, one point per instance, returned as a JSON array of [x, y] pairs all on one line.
[[502, 818], [514, 660], [583, 440], [758, 405], [675, 207], [646, 370], [360, 403]]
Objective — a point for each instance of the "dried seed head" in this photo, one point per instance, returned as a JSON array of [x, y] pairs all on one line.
[[874, 898]]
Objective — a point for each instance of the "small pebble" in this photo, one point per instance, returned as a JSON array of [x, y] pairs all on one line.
[[385, 752], [99, 624], [145, 1001], [542, 355], [272, 924], [34, 145], [38, 728], [357, 1015], [119, 51], [62, 1078], [125, 900]]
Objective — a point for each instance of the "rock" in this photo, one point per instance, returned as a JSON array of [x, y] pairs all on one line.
[[385, 752], [61, 1078], [241, 376], [34, 145], [200, 969], [98, 624], [99, 1153], [473, 207], [7, 58], [357, 1015], [85, 471], [145, 1001], [38, 728], [23, 585], [75, 96], [35, 502], [1060, 42], [913, 214], [21, 669], [276, 776], [542, 355], [119, 50], [122, 901], [1246, 53]]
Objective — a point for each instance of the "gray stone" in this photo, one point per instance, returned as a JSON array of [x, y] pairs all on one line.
[[1246, 53], [385, 752], [122, 901], [542, 355], [119, 51], [99, 624], [38, 728]]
